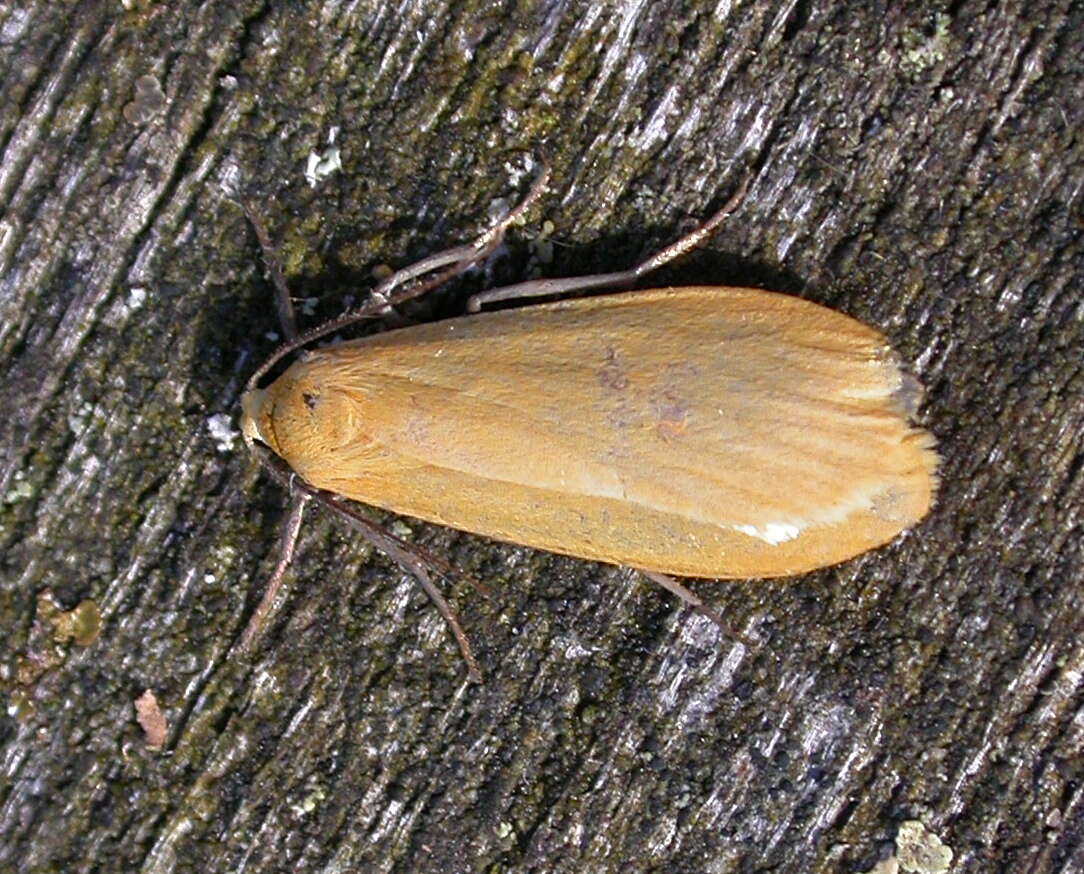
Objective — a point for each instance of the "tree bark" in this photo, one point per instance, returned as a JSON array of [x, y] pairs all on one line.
[[919, 167]]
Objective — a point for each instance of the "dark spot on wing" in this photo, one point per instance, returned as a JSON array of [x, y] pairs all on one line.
[[612, 373]]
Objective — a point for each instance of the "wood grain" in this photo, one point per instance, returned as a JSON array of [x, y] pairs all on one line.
[[917, 167]]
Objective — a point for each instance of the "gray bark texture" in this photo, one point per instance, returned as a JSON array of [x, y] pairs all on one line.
[[918, 166]]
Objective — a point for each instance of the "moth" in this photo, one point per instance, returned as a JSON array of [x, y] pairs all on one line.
[[701, 431]]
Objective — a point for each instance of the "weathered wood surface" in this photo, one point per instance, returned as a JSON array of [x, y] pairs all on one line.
[[920, 169]]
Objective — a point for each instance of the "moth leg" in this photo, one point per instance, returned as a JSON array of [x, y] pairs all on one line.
[[445, 610], [410, 558], [406, 554], [545, 287], [400, 287], [461, 258], [674, 587]]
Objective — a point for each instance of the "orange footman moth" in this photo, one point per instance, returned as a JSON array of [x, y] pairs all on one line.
[[701, 432]]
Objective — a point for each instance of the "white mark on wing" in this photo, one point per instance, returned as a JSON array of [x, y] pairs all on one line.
[[773, 532]]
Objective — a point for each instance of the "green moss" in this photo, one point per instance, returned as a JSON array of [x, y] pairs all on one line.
[[922, 49]]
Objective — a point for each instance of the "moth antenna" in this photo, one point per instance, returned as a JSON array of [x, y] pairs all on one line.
[[284, 304], [291, 529], [409, 556]]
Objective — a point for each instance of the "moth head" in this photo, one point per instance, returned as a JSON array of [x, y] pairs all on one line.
[[304, 418], [257, 407]]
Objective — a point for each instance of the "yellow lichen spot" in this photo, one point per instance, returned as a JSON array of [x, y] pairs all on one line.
[[920, 851], [82, 624]]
